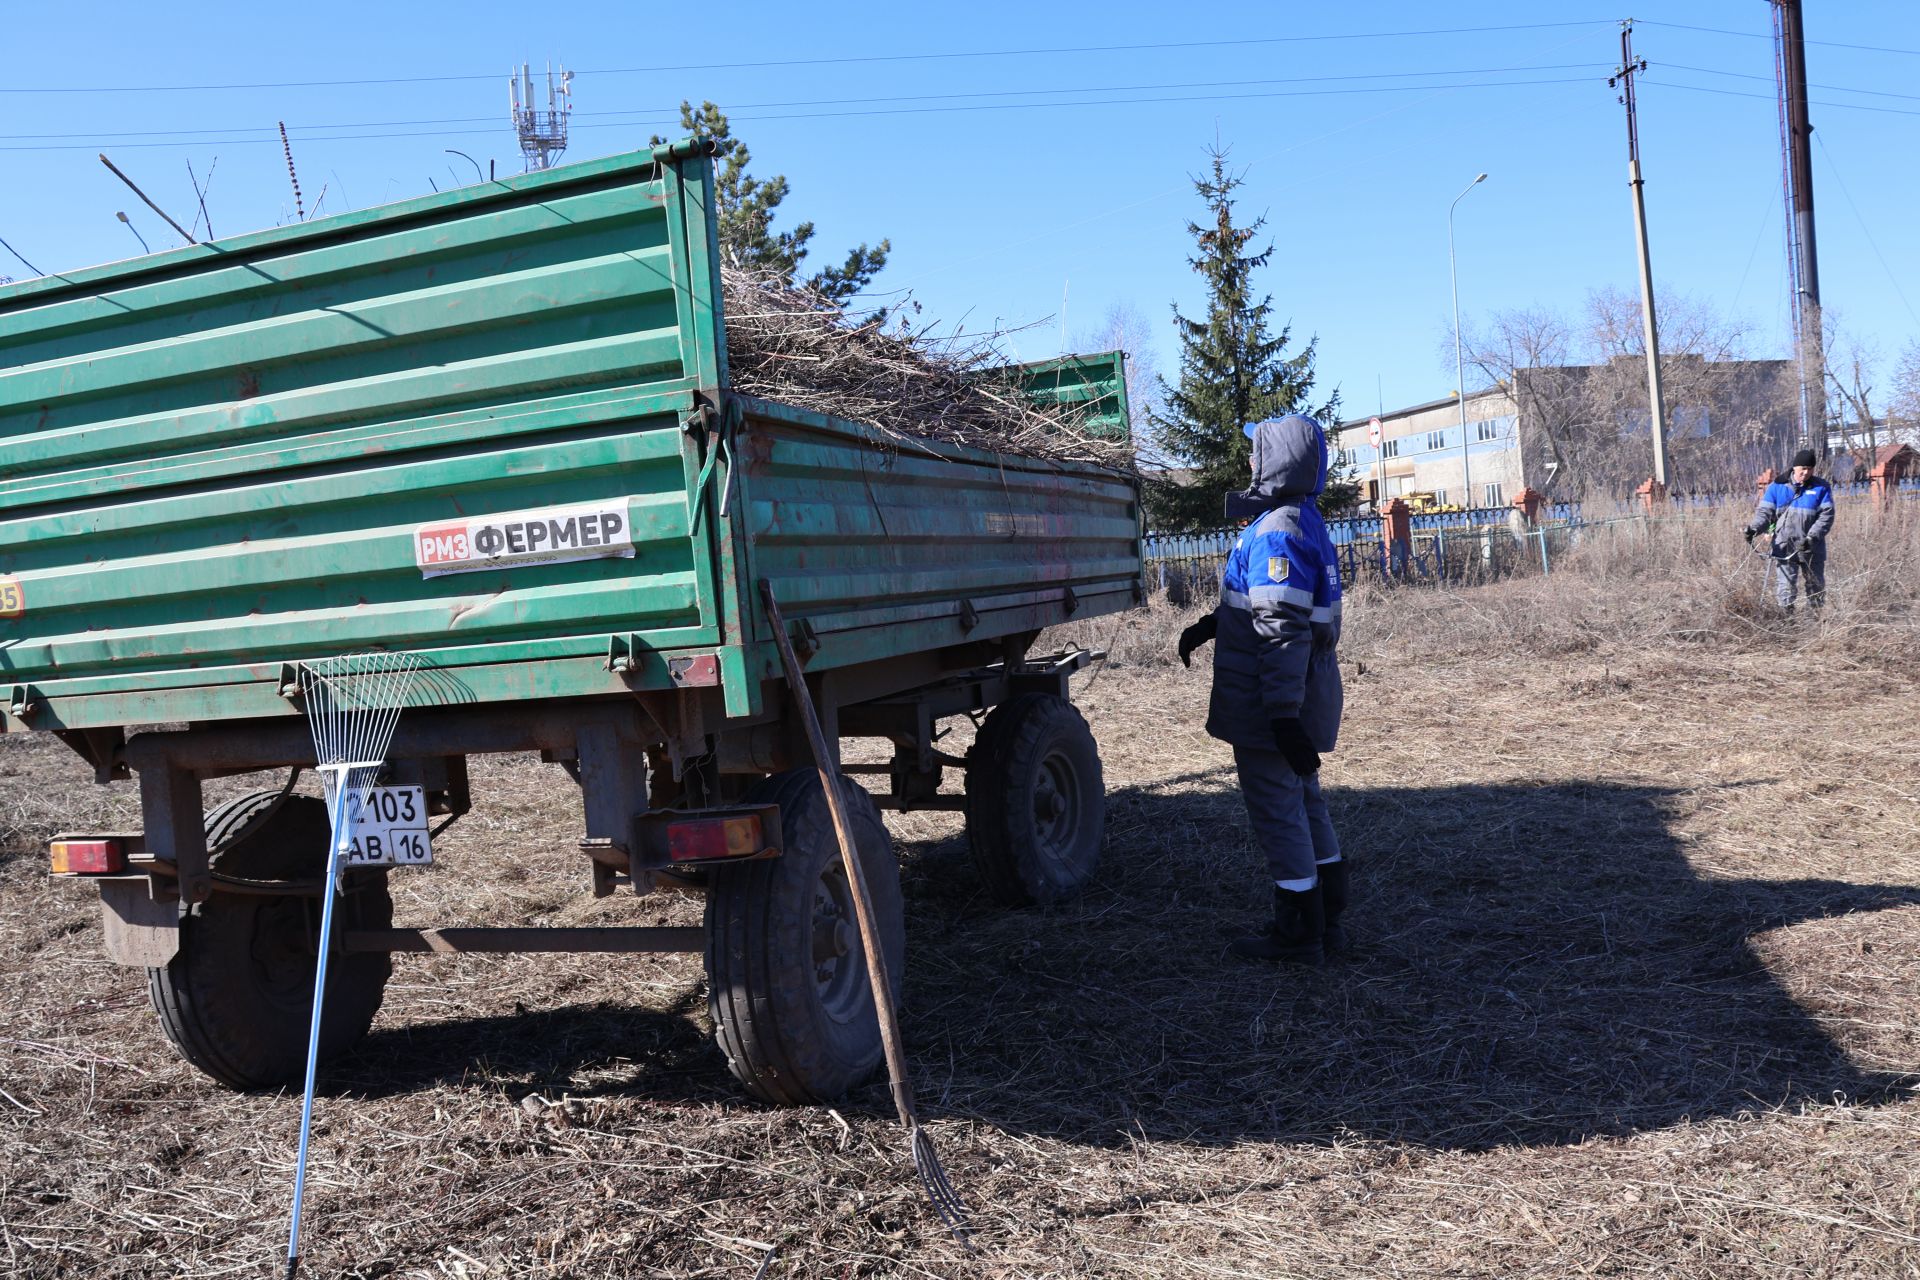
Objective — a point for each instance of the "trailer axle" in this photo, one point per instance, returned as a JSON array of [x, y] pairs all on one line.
[[449, 941]]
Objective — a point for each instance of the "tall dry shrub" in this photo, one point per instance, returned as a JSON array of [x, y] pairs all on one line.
[[1686, 582]]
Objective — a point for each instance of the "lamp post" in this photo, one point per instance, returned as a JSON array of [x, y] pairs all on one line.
[[1459, 366]]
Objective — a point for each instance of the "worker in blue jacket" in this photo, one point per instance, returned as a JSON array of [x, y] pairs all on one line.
[[1796, 517], [1276, 684]]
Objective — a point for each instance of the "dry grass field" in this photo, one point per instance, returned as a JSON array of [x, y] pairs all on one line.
[[1635, 992]]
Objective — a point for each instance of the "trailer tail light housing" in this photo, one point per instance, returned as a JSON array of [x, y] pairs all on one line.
[[79, 857], [715, 839], [668, 838]]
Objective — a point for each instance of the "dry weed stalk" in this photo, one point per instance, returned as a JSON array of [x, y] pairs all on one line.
[[1636, 994], [791, 345]]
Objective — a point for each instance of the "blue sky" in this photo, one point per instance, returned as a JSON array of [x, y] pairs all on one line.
[[1058, 166]]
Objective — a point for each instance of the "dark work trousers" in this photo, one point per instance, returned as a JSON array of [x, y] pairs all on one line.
[[1787, 574], [1290, 821]]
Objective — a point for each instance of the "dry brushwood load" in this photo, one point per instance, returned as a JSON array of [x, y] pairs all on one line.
[[794, 346]]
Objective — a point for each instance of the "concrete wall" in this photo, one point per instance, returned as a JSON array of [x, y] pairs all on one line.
[[1413, 463]]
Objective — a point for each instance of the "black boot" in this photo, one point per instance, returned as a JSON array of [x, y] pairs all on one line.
[[1299, 923], [1333, 897]]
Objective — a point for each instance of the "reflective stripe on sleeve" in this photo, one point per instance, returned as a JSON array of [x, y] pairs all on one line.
[[1283, 595], [1235, 599]]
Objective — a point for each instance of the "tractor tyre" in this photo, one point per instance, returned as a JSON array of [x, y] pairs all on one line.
[[1036, 801], [786, 971], [237, 999]]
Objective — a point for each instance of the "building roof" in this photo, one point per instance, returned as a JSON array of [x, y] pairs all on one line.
[[1430, 405], [1444, 401]]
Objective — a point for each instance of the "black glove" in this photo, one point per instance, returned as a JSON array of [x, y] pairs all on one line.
[[1750, 535], [1294, 744], [1195, 636]]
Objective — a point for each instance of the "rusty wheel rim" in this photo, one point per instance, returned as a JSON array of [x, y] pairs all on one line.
[[839, 965]]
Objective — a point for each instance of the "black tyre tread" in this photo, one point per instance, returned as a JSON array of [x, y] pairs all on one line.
[[261, 836], [745, 996], [172, 1000], [1009, 745]]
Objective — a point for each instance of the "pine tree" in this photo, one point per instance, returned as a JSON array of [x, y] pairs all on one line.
[[747, 205], [1233, 370]]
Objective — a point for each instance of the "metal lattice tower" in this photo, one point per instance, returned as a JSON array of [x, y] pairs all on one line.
[[542, 133]]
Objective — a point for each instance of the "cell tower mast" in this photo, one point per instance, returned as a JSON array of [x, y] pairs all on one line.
[[543, 134]]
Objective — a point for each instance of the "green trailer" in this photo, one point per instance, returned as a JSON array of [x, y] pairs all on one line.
[[493, 429]]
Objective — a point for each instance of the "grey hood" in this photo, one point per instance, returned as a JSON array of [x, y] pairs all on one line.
[[1289, 461]]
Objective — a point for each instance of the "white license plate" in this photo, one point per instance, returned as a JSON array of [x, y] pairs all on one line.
[[387, 827]]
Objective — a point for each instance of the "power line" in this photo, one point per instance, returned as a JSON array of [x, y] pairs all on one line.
[[826, 115], [1768, 97], [16, 253], [1834, 169], [1768, 35], [839, 61], [1100, 214], [1830, 88], [655, 112]]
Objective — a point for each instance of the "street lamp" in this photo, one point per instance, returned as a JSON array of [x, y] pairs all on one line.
[[1459, 366]]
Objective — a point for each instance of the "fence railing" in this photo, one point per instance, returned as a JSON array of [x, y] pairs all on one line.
[[1456, 547], [1346, 531]]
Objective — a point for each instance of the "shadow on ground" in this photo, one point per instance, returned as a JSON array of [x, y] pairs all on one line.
[[582, 1050], [1533, 965]]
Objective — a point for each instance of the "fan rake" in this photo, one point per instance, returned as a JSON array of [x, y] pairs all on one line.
[[353, 705]]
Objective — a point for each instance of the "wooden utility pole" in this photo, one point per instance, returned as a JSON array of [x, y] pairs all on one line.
[[1796, 147], [1623, 78]]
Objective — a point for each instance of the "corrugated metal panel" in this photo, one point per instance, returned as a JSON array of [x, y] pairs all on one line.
[[863, 536], [214, 461], [1093, 387], [217, 457]]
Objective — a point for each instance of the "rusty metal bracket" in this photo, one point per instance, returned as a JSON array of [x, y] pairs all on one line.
[[101, 749], [22, 702], [806, 641], [698, 423], [619, 653], [695, 671]]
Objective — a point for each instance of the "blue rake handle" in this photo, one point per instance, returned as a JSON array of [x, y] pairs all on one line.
[[335, 821]]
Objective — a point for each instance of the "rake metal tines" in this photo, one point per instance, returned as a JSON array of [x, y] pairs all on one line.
[[946, 1201], [353, 702]]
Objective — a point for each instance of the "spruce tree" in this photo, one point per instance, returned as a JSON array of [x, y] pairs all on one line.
[[1233, 370], [747, 205]]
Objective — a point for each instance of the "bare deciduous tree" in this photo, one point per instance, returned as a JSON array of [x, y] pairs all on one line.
[[1126, 328], [1904, 393], [1850, 366], [1580, 392]]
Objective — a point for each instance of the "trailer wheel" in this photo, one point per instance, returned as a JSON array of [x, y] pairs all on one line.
[[237, 999], [1036, 801], [786, 973]]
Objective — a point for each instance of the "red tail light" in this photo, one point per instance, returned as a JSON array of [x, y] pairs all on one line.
[[87, 857], [714, 839]]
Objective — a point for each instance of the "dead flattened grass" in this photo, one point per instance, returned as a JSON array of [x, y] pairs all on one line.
[[1636, 991]]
